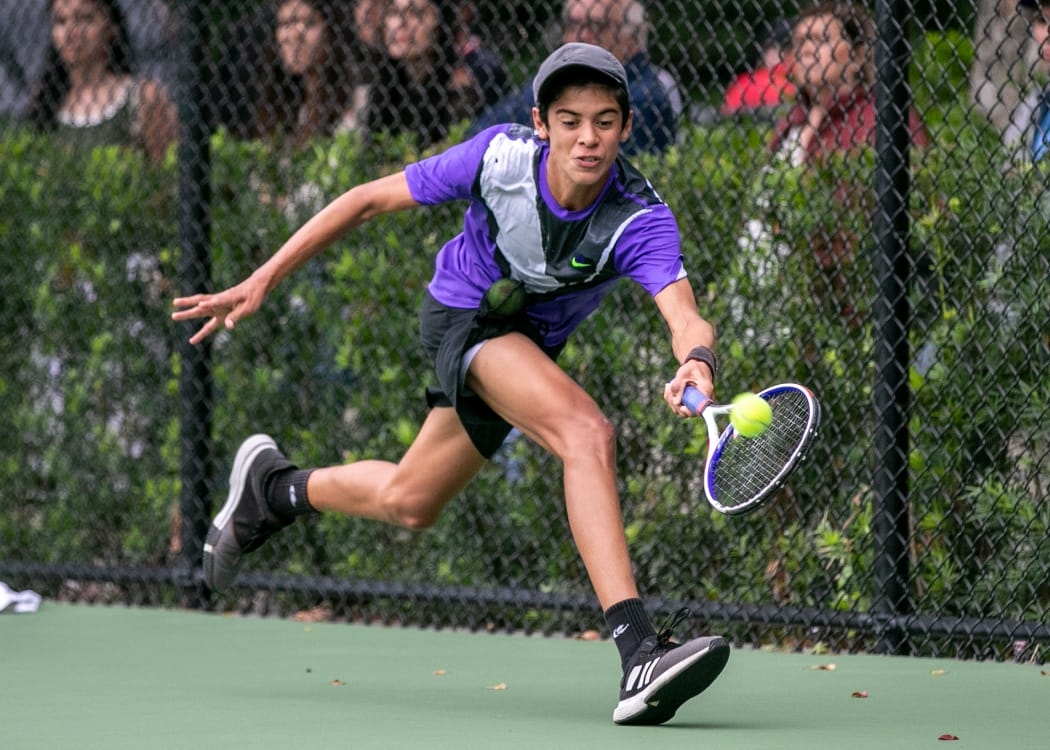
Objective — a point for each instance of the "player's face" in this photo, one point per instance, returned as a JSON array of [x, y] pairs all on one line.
[[81, 32], [300, 35], [410, 30], [585, 129]]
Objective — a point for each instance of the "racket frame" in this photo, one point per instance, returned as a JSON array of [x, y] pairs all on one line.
[[717, 440]]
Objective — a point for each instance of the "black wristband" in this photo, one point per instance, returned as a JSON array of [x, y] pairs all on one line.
[[705, 355]]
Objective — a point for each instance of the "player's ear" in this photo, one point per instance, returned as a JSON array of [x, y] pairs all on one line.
[[538, 126], [626, 132]]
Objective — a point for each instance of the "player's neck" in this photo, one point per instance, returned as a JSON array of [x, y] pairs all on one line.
[[571, 194]]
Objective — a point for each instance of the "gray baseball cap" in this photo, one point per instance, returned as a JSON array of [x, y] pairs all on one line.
[[579, 55]]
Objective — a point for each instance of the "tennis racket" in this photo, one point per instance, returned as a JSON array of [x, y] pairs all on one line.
[[742, 473]]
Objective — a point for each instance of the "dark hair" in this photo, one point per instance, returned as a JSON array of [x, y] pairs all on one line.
[[580, 76], [1027, 6], [778, 34], [401, 105], [53, 85], [284, 94]]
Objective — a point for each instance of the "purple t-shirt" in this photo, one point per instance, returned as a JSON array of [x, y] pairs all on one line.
[[513, 227]]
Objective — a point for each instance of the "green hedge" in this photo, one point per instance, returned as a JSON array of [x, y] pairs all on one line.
[[331, 367]]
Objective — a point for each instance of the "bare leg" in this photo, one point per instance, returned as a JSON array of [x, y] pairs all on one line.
[[411, 493], [552, 409]]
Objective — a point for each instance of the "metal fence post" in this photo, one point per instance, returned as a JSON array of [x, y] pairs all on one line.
[[892, 269], [195, 382]]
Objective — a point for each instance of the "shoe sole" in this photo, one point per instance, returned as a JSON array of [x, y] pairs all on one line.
[[687, 679], [222, 553]]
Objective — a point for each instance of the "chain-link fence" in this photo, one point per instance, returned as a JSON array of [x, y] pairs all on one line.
[[862, 208]]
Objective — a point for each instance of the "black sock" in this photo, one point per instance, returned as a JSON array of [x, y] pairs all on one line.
[[629, 626], [286, 493]]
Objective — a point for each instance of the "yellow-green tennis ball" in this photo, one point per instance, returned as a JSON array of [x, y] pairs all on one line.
[[505, 298], [751, 415]]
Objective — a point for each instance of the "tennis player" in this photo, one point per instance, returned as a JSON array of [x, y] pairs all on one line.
[[554, 217]]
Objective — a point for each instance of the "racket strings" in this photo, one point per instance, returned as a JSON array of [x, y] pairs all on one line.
[[748, 467]]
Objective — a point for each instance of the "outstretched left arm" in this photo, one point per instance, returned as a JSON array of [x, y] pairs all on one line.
[[677, 305], [351, 209]]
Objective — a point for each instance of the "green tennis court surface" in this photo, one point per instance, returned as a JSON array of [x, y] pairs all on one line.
[[105, 677]]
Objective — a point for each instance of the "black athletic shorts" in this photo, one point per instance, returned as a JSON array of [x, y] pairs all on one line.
[[447, 334]]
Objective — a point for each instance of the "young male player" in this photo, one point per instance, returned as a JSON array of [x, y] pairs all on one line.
[[557, 212]]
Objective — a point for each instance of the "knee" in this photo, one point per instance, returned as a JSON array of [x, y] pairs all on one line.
[[593, 437]]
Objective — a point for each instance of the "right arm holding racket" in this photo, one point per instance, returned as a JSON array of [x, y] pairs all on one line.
[[740, 473], [690, 334]]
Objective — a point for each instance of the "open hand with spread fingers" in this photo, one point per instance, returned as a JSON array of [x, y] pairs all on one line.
[[223, 309]]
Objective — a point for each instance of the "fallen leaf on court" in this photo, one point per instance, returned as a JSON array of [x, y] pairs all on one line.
[[938, 672], [947, 737], [1044, 673], [859, 694], [501, 686], [337, 683], [824, 667], [440, 672]]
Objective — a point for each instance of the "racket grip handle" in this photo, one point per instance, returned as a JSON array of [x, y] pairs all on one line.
[[694, 399]]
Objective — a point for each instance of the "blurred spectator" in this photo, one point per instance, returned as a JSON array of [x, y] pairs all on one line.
[[832, 67], [369, 17], [477, 68], [760, 92], [833, 70], [622, 28], [1031, 120], [315, 83], [418, 91], [88, 93], [25, 27]]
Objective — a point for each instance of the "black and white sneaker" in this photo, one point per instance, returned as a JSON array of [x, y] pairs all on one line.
[[662, 675], [245, 521]]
